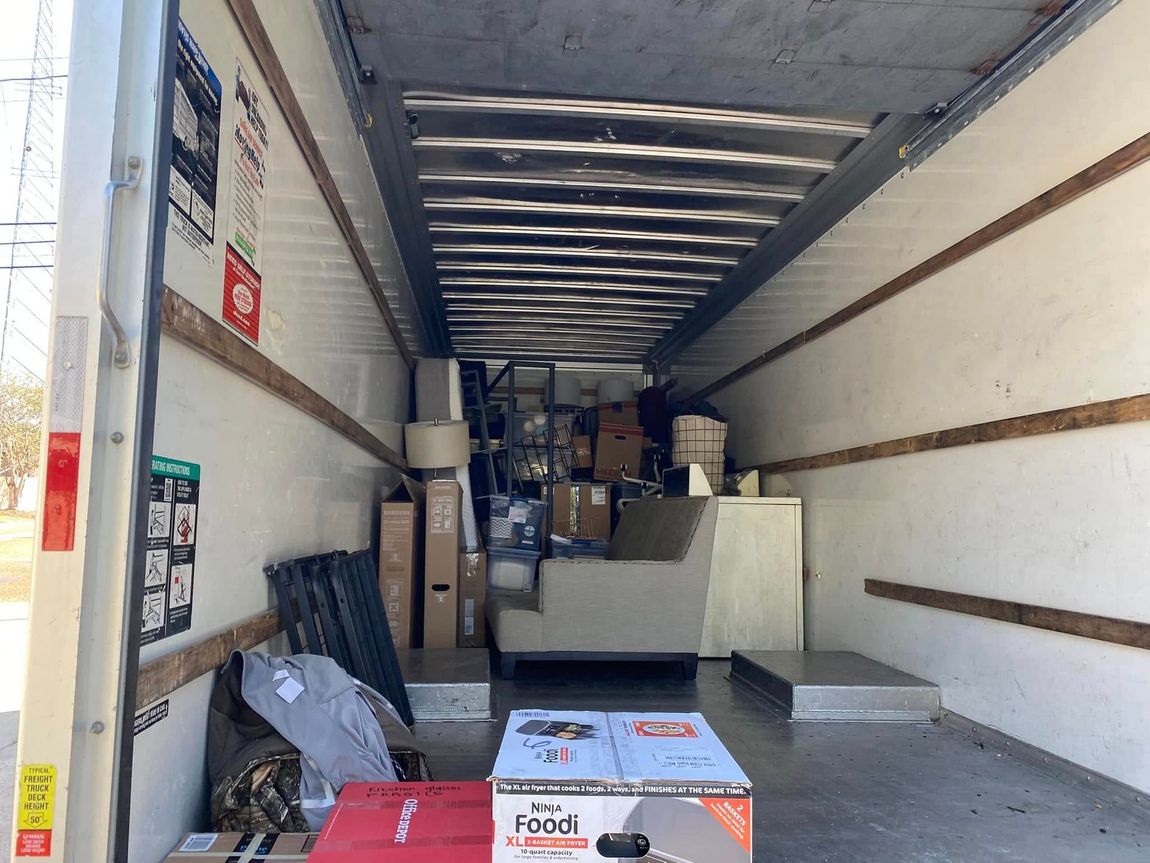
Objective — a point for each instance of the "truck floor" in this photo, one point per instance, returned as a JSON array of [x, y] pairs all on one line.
[[834, 791]]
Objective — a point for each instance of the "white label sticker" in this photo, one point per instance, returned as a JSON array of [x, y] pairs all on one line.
[[199, 842], [598, 495], [518, 514], [280, 675], [289, 690]]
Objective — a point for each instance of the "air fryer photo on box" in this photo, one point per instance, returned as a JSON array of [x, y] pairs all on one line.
[[618, 786]]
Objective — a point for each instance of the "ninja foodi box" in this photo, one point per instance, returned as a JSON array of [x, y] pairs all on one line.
[[586, 787]]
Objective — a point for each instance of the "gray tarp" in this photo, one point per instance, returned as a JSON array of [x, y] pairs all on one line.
[[316, 706]]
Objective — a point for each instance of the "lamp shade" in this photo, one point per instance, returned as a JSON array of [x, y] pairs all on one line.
[[437, 444]]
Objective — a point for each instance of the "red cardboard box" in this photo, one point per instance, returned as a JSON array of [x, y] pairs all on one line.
[[419, 822]]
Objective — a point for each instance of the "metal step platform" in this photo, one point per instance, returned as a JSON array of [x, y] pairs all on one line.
[[832, 685], [447, 684]]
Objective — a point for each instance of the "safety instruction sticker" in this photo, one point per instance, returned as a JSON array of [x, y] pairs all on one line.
[[34, 810], [195, 147], [170, 554], [243, 256]]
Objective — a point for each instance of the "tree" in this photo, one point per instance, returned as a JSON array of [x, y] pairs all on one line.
[[21, 408]]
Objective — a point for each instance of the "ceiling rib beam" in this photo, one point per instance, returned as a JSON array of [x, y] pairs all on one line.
[[580, 311], [615, 150], [594, 233], [793, 194], [570, 252], [587, 299], [646, 112], [560, 269], [555, 209], [556, 319], [593, 287]]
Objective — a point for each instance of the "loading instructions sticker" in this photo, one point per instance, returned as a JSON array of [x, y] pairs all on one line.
[[170, 556]]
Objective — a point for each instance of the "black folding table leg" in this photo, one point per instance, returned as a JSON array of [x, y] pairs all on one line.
[[306, 613], [395, 690], [279, 580]]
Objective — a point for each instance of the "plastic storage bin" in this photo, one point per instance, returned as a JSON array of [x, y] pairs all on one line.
[[578, 549], [509, 569], [516, 522]]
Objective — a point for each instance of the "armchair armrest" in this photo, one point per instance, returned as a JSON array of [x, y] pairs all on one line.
[[624, 606]]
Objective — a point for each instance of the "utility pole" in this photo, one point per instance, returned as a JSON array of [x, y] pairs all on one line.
[[28, 298]]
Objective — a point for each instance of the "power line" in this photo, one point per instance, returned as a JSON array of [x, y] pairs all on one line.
[[27, 267], [23, 224], [30, 78]]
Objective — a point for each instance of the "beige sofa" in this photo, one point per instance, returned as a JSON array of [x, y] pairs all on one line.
[[645, 602]]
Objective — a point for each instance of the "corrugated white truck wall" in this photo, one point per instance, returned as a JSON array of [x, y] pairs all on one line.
[[1052, 316], [275, 483]]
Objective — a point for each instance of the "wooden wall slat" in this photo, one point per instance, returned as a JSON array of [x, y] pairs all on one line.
[[277, 79], [1123, 410], [188, 324], [1130, 633], [1103, 171], [168, 673]]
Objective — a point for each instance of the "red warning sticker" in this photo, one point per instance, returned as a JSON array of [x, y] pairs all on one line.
[[241, 296], [34, 843]]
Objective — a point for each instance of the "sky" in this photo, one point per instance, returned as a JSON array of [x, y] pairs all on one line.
[[26, 341]]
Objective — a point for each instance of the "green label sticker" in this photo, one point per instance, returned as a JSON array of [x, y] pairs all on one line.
[[174, 468]]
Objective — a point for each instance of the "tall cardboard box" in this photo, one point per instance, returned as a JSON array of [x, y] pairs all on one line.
[[472, 599], [582, 510], [441, 563], [400, 547]]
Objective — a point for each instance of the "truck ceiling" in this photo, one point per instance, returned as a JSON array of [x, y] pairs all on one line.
[[556, 171]]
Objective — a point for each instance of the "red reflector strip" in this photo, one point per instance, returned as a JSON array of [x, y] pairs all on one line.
[[61, 487], [65, 417]]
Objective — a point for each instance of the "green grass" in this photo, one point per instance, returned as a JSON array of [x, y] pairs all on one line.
[[16, 532]]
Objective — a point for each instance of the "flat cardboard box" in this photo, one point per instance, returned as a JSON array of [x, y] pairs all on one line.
[[213, 847], [422, 822], [619, 413], [581, 444], [400, 547], [441, 563], [618, 445], [472, 599], [565, 779], [582, 510]]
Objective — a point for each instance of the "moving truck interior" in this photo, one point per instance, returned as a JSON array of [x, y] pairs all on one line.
[[901, 249]]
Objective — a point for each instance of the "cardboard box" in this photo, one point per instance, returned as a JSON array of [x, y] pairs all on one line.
[[663, 783], [618, 445], [400, 552], [472, 599], [441, 563], [581, 444], [619, 413], [221, 847], [582, 510], [423, 822]]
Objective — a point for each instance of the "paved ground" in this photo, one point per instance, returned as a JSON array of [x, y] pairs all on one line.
[[8, 724], [13, 648], [857, 792]]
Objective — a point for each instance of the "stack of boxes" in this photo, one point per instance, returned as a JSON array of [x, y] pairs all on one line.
[[434, 589]]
